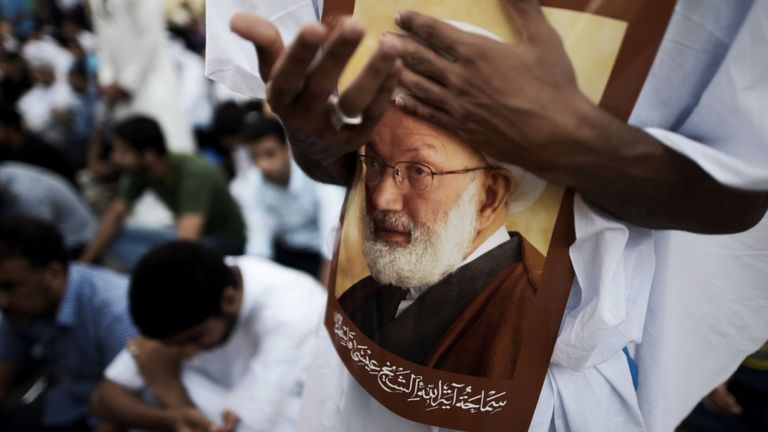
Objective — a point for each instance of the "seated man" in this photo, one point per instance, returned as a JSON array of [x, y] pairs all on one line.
[[60, 323], [290, 215], [30, 191], [435, 241], [237, 338], [194, 191]]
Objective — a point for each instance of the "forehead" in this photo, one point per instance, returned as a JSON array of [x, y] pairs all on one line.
[[13, 267], [399, 136]]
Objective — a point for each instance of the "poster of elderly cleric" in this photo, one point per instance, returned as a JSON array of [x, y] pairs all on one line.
[[452, 272]]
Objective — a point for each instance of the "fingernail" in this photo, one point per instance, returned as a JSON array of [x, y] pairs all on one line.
[[398, 18], [400, 101]]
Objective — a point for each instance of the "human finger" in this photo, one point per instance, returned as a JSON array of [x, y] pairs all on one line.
[[528, 18], [424, 89], [228, 422], [336, 53], [291, 70], [437, 35], [264, 36], [424, 111], [422, 60], [197, 421], [358, 95], [381, 100]]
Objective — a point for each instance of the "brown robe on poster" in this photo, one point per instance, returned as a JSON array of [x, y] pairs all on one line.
[[472, 322]]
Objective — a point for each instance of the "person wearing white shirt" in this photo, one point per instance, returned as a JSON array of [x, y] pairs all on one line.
[[238, 334], [694, 303], [289, 216], [136, 72]]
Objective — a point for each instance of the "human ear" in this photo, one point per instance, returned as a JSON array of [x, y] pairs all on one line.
[[497, 186], [230, 300], [55, 276]]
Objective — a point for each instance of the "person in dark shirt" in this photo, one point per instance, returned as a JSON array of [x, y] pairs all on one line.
[[194, 191]]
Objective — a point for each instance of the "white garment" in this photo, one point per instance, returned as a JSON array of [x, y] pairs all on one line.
[[706, 97], [38, 104], [132, 48], [195, 99], [301, 214], [259, 372]]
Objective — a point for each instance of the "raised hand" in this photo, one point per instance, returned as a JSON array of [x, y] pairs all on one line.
[[302, 79], [509, 100]]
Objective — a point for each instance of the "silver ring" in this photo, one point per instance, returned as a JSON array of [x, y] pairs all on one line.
[[339, 119]]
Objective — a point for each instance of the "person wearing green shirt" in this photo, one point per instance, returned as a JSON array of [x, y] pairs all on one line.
[[194, 191]]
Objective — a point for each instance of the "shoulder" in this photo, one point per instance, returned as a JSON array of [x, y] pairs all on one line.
[[99, 286], [260, 272]]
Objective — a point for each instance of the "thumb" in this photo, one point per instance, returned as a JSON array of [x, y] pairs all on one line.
[[265, 37], [229, 421]]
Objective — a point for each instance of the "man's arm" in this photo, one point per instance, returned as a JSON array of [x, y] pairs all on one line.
[[116, 405], [542, 122], [516, 102], [110, 223], [189, 226]]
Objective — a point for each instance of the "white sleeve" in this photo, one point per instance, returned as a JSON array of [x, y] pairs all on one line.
[[231, 60], [124, 371], [330, 200], [726, 132], [267, 398]]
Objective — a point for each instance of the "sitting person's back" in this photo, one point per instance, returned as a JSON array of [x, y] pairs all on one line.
[[61, 324], [242, 342], [30, 191]]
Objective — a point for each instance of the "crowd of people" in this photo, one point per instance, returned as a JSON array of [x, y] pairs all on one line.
[[113, 143], [165, 253]]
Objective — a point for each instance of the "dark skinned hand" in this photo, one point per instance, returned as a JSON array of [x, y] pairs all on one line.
[[300, 82]]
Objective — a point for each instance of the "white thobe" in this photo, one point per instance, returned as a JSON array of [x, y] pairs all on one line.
[[132, 47], [194, 85], [302, 214], [694, 317], [259, 371], [38, 104]]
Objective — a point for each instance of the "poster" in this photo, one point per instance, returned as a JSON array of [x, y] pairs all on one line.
[[446, 317]]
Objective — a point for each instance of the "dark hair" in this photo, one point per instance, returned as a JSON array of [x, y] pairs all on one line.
[[9, 117], [177, 286], [229, 117], [142, 133], [36, 241], [79, 68], [262, 128]]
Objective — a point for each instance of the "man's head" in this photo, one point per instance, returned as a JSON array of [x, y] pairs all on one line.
[[266, 142], [33, 269], [419, 230], [138, 144], [183, 294], [229, 120]]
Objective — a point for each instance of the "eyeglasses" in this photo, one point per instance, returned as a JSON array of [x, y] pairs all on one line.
[[415, 175]]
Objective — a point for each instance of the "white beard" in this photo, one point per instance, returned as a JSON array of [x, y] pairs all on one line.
[[434, 251]]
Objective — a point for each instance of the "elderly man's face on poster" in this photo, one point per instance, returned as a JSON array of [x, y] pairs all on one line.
[[429, 199], [452, 269]]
